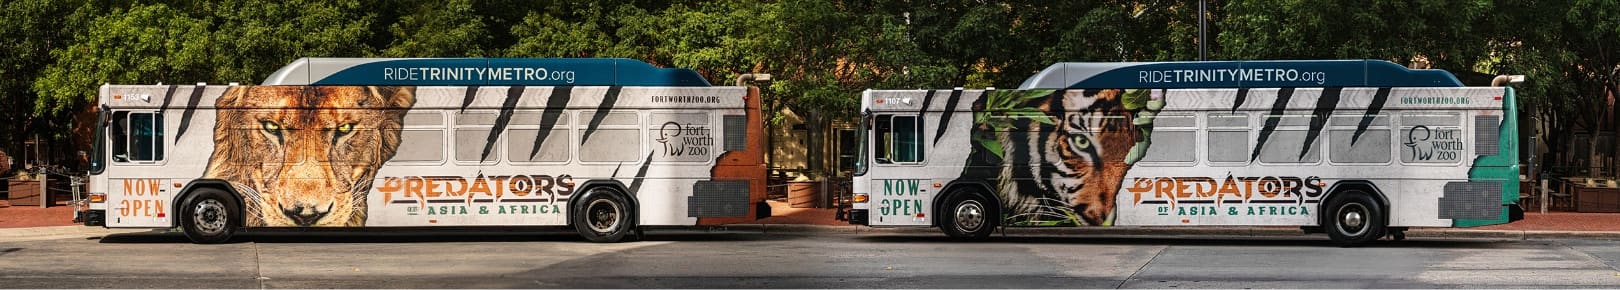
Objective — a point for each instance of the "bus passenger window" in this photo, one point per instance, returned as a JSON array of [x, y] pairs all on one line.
[[137, 137], [899, 139], [422, 139], [907, 143]]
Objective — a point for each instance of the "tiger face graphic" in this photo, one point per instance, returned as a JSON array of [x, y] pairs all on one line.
[[1070, 168], [306, 155]]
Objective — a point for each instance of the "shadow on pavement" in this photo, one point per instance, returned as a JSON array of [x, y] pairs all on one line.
[[1303, 241], [429, 236]]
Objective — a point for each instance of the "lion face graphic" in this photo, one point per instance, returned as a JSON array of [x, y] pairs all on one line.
[[306, 155]]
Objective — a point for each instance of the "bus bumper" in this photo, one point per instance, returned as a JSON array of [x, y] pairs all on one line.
[[857, 217], [762, 210], [91, 218]]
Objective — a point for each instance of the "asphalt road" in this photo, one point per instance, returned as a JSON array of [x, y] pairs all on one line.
[[827, 260]]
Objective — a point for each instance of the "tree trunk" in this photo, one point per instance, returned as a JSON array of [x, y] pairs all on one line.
[[1614, 142]]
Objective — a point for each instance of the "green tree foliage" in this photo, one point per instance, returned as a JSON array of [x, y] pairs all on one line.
[[1442, 31], [143, 44], [32, 29], [822, 53], [217, 42], [1570, 52]]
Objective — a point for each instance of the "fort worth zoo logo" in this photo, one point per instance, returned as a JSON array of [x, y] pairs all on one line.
[[686, 140]]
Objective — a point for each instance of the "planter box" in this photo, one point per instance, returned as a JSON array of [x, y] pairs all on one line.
[[805, 194], [24, 193], [1597, 199]]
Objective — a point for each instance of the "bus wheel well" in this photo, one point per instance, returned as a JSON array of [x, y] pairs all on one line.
[[955, 188], [1367, 187], [634, 206], [191, 188]]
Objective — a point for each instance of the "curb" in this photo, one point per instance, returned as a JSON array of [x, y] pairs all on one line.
[[1255, 231]]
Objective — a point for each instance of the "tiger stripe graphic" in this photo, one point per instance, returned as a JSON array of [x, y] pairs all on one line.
[[1064, 165]]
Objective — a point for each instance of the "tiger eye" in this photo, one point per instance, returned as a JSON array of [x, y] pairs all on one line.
[[1081, 142]]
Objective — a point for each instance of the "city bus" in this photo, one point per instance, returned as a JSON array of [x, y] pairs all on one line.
[[1359, 149], [602, 146]]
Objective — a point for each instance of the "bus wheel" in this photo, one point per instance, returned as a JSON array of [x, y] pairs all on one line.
[[1355, 219], [968, 216], [603, 216], [209, 216]]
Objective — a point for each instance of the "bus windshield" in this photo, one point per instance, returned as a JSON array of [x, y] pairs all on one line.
[[97, 163], [862, 143]]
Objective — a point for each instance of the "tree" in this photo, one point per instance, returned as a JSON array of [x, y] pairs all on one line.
[[1570, 51], [32, 29], [1439, 31], [439, 29]]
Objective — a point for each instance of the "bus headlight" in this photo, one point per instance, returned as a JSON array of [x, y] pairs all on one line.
[[860, 198], [97, 197]]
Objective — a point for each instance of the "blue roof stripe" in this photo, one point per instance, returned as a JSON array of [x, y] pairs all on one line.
[[1238, 74], [513, 72]]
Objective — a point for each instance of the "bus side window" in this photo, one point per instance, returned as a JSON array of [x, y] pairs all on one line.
[[137, 136], [899, 139]]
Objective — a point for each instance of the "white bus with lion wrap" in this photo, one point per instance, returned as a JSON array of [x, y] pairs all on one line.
[[1360, 149], [602, 145]]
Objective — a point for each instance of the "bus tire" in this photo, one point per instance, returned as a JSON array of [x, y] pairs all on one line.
[[1354, 218], [603, 216], [209, 216], [968, 215]]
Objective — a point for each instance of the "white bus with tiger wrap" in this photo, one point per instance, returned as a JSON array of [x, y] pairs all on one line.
[[1359, 149]]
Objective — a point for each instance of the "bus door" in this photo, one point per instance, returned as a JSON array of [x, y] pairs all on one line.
[[137, 144], [905, 193]]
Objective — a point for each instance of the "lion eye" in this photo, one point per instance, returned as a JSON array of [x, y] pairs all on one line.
[[345, 128], [271, 127]]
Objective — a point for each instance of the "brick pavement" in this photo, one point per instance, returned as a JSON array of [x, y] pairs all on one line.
[[34, 216]]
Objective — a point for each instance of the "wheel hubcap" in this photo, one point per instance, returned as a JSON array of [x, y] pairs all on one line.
[[969, 216], [603, 215], [1352, 219], [210, 217]]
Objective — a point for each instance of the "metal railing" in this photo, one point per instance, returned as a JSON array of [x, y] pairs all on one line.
[[842, 195], [51, 185]]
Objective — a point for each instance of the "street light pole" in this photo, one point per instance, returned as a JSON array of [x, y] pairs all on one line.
[[1203, 38]]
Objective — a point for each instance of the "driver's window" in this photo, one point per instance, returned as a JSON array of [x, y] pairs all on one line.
[[137, 136]]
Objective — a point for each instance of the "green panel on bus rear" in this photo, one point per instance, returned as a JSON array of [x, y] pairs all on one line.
[[1503, 166]]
